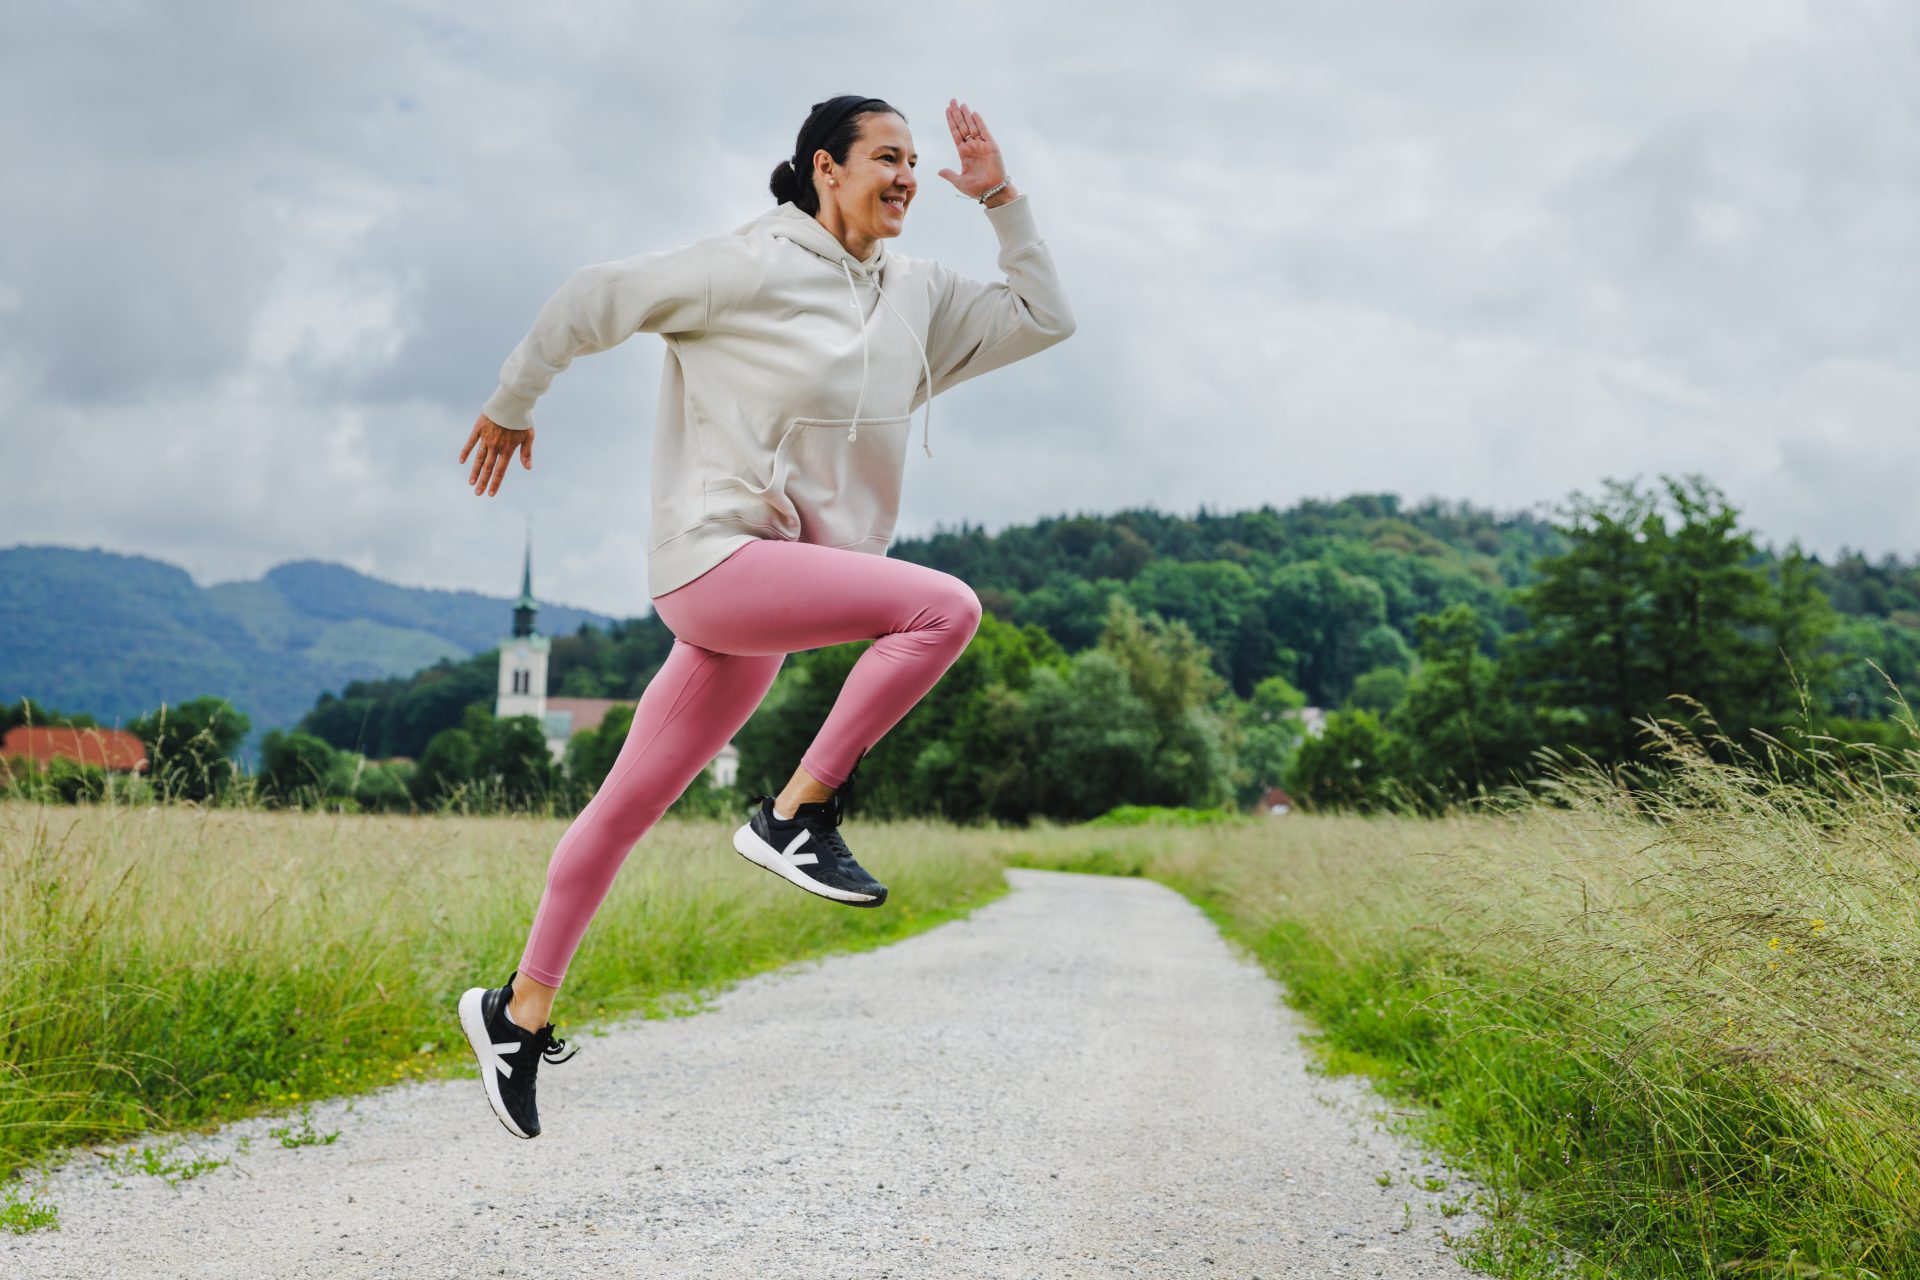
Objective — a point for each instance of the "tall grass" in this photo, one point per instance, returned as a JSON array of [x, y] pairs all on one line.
[[163, 967], [1667, 1023], [1670, 1025]]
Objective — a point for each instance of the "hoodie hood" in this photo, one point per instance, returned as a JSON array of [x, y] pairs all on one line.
[[788, 221]]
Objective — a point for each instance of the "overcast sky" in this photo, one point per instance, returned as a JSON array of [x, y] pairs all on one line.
[[261, 263]]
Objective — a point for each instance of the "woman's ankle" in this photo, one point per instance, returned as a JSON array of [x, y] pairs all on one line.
[[531, 1005], [802, 788]]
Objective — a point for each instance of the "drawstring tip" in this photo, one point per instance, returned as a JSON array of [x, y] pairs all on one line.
[[853, 433], [927, 447]]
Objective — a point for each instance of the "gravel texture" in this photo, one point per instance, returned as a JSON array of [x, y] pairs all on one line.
[[1081, 1079]]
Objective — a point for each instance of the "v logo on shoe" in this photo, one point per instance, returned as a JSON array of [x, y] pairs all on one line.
[[499, 1056], [799, 859]]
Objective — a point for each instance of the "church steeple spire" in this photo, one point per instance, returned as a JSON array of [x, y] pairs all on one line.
[[525, 608]]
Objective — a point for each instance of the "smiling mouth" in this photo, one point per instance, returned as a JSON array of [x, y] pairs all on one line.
[[895, 202]]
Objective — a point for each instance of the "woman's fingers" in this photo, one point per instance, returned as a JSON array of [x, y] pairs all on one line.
[[497, 444]]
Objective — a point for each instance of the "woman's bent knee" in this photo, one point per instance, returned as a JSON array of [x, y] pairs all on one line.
[[960, 607], [973, 610]]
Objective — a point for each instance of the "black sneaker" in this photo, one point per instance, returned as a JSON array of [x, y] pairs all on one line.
[[509, 1055], [807, 849]]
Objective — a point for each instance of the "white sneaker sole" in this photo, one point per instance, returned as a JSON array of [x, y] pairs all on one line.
[[748, 844], [474, 1024]]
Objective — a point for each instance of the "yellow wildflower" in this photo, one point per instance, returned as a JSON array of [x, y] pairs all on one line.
[[1774, 943]]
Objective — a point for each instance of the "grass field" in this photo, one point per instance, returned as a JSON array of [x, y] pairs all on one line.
[[170, 967], [1669, 1029]]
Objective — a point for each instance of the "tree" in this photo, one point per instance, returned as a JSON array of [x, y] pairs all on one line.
[[985, 767], [1657, 595], [511, 759], [437, 700], [1348, 765], [384, 788], [1461, 729], [1165, 663], [300, 768], [1868, 652], [1096, 740], [445, 770], [1380, 691], [190, 747], [1269, 730], [352, 722], [1318, 614], [1800, 625], [1383, 647], [590, 755], [1069, 609], [1592, 619], [1220, 602]]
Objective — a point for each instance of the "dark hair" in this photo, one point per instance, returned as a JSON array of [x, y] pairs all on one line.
[[831, 126]]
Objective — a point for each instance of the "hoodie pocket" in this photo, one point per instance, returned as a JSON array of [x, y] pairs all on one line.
[[822, 487]]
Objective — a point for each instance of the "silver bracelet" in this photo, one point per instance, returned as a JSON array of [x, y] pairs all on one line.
[[990, 192]]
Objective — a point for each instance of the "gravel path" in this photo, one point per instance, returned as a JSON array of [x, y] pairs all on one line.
[[1080, 1080]]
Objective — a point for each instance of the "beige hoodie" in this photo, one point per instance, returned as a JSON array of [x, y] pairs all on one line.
[[791, 373]]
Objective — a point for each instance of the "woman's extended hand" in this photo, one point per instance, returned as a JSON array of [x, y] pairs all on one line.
[[981, 168], [497, 444]]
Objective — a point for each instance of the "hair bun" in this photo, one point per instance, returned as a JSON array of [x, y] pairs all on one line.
[[785, 183]]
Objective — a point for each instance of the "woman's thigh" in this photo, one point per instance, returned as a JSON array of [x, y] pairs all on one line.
[[774, 596]]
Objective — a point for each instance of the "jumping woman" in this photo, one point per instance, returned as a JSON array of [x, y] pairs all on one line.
[[797, 350]]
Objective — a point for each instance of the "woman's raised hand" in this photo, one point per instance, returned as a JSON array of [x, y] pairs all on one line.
[[497, 444], [981, 168]]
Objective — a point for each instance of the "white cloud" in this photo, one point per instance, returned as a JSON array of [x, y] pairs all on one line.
[[262, 262]]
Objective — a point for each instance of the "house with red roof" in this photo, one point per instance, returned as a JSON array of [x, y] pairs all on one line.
[[113, 749]]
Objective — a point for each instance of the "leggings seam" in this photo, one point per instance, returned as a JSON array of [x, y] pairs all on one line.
[[673, 713]]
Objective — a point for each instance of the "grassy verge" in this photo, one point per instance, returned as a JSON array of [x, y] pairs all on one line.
[[1672, 1032], [167, 968]]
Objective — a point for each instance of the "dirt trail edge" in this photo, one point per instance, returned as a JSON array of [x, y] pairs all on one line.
[[1081, 1079]]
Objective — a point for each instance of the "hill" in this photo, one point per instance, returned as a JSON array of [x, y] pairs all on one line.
[[115, 635]]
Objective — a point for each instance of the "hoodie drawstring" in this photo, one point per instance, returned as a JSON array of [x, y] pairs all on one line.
[[926, 425], [853, 432]]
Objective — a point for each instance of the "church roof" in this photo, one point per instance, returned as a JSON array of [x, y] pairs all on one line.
[[526, 600]]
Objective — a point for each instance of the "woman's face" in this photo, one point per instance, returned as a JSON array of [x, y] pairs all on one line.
[[876, 184]]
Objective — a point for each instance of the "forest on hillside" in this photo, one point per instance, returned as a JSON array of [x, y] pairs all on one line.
[[1154, 658]]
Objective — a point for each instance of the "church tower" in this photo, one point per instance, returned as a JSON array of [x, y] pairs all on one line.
[[523, 655]]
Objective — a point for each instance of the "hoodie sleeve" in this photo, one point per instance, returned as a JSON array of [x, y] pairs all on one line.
[[601, 306], [977, 326]]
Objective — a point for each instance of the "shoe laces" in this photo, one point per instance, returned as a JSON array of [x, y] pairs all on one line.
[[826, 832], [550, 1045]]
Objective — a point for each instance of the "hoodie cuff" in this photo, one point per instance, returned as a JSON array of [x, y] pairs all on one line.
[[514, 412], [1013, 222]]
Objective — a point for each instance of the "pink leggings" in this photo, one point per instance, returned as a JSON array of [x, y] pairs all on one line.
[[732, 626]]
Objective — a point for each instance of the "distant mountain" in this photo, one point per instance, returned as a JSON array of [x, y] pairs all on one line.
[[116, 635]]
